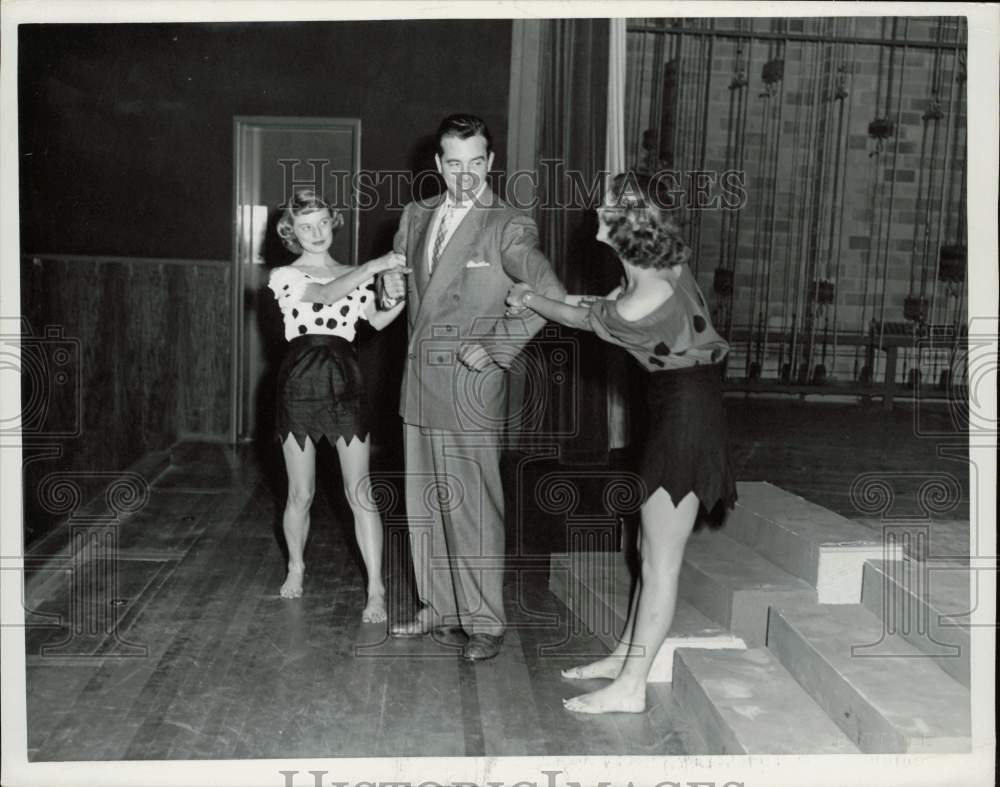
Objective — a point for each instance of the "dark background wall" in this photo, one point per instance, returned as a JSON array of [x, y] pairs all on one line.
[[126, 129], [126, 153]]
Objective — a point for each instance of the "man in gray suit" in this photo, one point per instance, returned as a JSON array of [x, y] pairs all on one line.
[[465, 249]]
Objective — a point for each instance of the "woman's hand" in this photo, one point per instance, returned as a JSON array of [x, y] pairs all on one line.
[[515, 299], [384, 263]]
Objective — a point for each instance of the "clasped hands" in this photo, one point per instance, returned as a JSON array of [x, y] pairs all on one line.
[[515, 299], [391, 271], [517, 305]]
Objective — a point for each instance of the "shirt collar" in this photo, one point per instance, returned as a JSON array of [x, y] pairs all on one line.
[[474, 199]]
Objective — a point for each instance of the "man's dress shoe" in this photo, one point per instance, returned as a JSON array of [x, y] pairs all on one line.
[[481, 647], [424, 624]]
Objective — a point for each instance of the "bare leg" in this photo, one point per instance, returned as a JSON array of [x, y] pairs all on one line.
[[300, 465], [367, 523], [665, 530], [611, 665]]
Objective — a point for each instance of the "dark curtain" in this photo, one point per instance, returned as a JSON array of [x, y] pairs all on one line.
[[571, 157]]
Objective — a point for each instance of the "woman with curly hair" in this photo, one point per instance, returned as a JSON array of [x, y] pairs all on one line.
[[320, 389], [661, 318]]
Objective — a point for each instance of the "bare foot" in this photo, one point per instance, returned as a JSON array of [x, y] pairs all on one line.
[[615, 698], [292, 588], [374, 611], [608, 667]]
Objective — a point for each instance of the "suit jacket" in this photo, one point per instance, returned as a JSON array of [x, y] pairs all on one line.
[[463, 301]]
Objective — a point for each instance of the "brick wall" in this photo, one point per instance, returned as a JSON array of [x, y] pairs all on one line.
[[878, 236]]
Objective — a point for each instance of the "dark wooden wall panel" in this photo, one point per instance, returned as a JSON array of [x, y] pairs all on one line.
[[153, 346]]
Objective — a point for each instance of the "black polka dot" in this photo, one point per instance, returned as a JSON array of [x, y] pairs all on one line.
[[295, 312], [331, 323], [349, 297], [661, 349], [285, 287], [656, 361], [363, 298], [317, 307], [343, 324], [319, 320], [699, 323], [344, 310], [302, 329]]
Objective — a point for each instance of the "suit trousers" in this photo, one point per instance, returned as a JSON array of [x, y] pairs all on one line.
[[454, 507]]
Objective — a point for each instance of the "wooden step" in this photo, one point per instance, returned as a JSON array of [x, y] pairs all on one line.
[[901, 702], [938, 539], [746, 702], [926, 603], [730, 583], [808, 541], [603, 610]]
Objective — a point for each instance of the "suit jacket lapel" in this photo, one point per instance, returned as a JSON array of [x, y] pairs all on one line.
[[455, 253], [418, 259]]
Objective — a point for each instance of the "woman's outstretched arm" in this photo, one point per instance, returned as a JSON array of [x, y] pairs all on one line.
[[561, 312], [333, 291]]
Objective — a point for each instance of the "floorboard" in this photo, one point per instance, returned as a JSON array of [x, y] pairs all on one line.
[[227, 669]]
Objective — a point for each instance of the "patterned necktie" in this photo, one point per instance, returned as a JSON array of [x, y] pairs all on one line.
[[439, 239]]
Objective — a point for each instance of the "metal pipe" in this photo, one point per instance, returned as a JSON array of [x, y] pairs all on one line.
[[735, 232], [768, 36], [810, 178], [793, 223], [953, 106], [762, 161], [920, 203], [892, 188], [822, 134], [724, 221], [834, 204], [774, 202], [838, 290], [756, 232], [656, 101], [704, 125]]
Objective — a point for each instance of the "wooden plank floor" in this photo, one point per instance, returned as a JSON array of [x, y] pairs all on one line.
[[204, 660]]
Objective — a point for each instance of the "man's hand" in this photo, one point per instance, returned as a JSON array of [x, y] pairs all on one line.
[[515, 299], [387, 262], [474, 357], [394, 282]]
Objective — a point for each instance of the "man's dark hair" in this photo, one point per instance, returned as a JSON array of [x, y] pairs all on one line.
[[463, 126]]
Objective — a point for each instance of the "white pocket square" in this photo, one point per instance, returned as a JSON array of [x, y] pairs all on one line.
[[477, 264]]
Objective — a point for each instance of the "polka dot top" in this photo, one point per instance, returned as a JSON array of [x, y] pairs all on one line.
[[332, 319], [675, 335]]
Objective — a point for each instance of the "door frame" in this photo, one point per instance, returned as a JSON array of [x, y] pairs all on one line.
[[241, 125]]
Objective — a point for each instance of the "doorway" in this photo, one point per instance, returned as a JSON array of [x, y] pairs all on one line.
[[274, 156]]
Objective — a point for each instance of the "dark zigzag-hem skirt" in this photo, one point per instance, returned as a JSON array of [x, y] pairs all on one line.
[[321, 391]]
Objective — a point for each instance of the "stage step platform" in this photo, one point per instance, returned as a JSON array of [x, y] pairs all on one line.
[[927, 603], [797, 631], [601, 607], [808, 541], [883, 692], [732, 584], [746, 702]]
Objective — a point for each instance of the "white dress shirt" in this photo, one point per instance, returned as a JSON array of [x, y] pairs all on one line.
[[458, 212]]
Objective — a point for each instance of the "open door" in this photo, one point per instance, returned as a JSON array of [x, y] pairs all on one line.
[[274, 156]]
